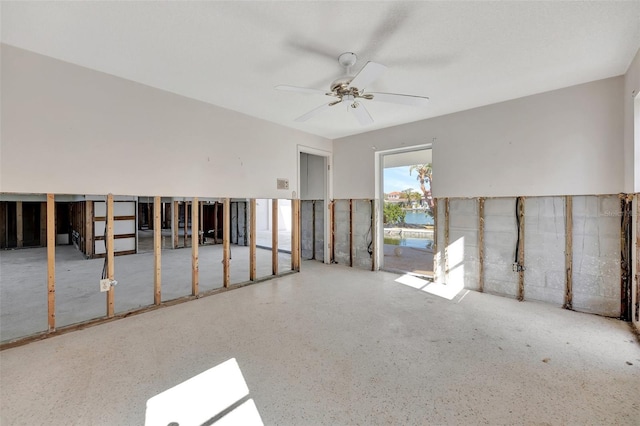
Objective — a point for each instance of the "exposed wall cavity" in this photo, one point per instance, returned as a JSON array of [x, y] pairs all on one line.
[[500, 238], [341, 231], [353, 233], [544, 246], [578, 267], [312, 229], [463, 242], [596, 254], [362, 238]]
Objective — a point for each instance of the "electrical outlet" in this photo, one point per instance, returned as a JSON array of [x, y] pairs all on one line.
[[105, 285]]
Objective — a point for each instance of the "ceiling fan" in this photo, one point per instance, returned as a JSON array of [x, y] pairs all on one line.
[[351, 90]]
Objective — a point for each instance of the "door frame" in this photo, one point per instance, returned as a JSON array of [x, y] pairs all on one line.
[[328, 190]]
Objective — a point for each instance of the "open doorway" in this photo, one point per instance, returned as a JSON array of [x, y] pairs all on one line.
[[313, 193], [407, 212]]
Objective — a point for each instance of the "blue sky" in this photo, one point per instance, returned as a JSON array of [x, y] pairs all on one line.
[[398, 179]]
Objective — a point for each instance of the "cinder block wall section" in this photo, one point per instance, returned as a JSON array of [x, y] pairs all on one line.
[[596, 254], [592, 285], [500, 238], [352, 233], [312, 229], [463, 247], [544, 248]]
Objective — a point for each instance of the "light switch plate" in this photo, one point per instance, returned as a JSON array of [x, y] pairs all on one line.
[[283, 183]]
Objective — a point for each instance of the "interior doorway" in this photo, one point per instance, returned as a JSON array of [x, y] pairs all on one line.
[[406, 211], [313, 194]]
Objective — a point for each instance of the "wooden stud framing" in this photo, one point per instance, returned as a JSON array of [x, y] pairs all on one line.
[[626, 236], [201, 223], [252, 240], [481, 243], [157, 250], [195, 268], [637, 275], [435, 239], [295, 235], [568, 252], [19, 225], [215, 222], [274, 237], [226, 236], [110, 259], [351, 248], [185, 225], [51, 261], [446, 240], [374, 239], [88, 228], [175, 223], [332, 236], [521, 250]]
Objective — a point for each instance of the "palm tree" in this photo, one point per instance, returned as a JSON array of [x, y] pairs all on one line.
[[424, 173]]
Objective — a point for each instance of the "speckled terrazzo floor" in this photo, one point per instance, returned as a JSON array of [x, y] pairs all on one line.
[[335, 346]]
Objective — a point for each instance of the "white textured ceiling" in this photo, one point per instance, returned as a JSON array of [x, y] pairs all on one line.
[[231, 54]]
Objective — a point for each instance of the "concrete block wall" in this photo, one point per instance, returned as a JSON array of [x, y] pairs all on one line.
[[306, 229], [341, 228], [312, 229], [596, 254], [544, 248], [500, 237], [362, 234], [463, 263], [319, 215], [596, 236]]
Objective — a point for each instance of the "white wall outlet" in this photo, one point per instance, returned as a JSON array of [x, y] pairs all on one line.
[[282, 183], [105, 285]]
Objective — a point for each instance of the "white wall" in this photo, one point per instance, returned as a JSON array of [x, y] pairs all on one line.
[[312, 177], [68, 129], [568, 141], [631, 126]]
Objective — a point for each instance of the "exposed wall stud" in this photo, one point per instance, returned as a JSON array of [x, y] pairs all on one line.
[[19, 225], [481, 243], [175, 224], [374, 239], [626, 237], [435, 240], [252, 240], [274, 237], [446, 240], [637, 275], [201, 223], [195, 267], [226, 236], [185, 225], [351, 248], [215, 222], [332, 227], [110, 256], [295, 235], [568, 252], [521, 250], [157, 250], [89, 228], [51, 261]]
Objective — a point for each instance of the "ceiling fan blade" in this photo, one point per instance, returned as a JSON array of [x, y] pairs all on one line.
[[400, 99], [314, 112], [369, 73], [300, 90], [362, 114]]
